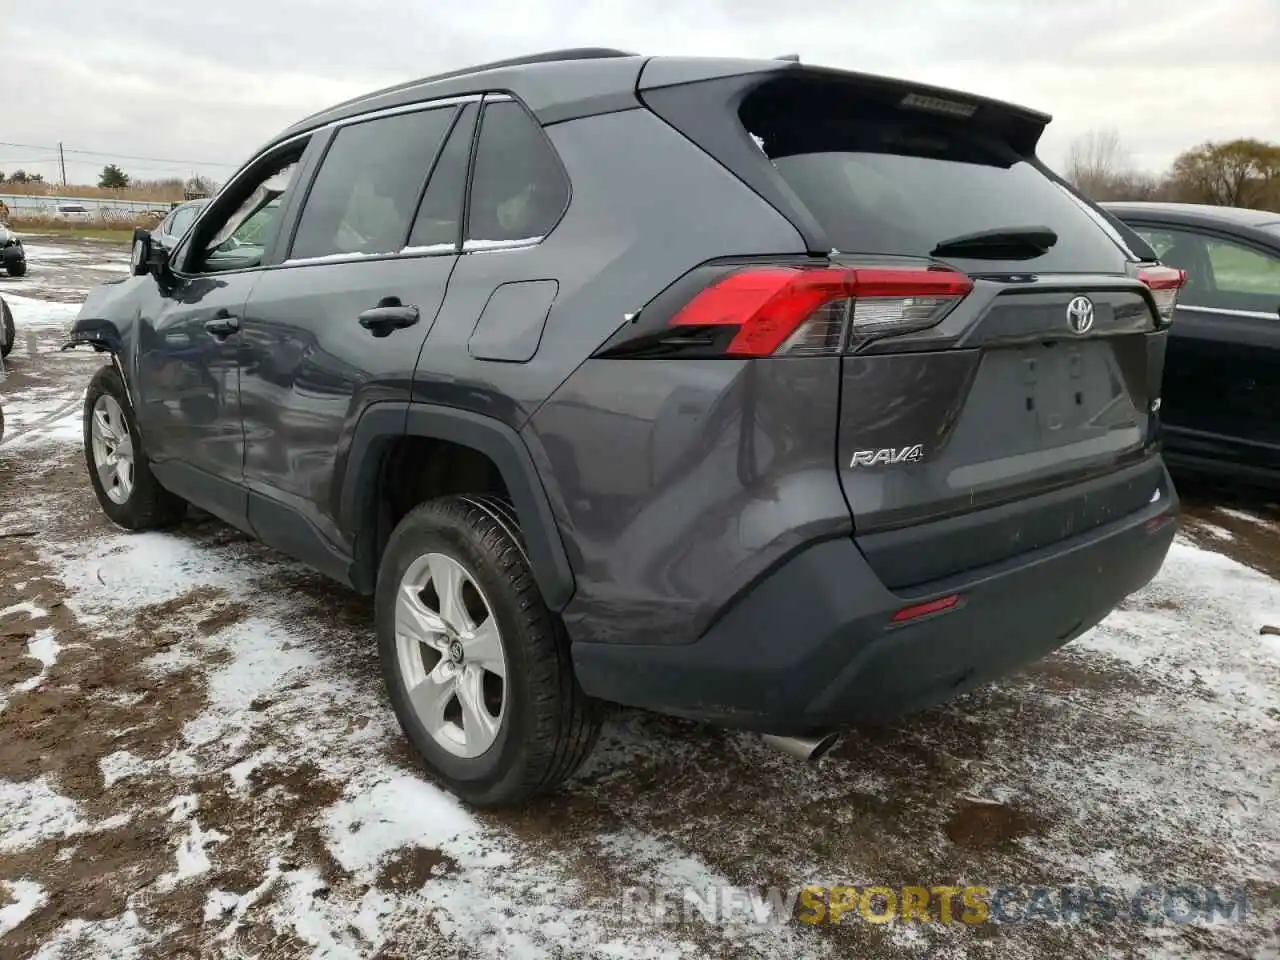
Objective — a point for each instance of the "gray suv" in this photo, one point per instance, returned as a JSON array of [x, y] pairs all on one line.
[[778, 397]]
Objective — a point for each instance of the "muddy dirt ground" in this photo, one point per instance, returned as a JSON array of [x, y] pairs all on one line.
[[197, 760]]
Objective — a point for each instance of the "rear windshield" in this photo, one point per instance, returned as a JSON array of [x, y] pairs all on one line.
[[883, 179]]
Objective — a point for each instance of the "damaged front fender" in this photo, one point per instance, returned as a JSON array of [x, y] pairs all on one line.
[[107, 318], [99, 333]]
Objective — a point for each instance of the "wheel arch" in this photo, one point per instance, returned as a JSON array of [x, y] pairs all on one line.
[[382, 424]]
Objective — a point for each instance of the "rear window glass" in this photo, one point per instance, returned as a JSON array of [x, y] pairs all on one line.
[[887, 180]]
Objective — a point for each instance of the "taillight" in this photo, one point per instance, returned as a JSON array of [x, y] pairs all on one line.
[[1164, 284], [807, 311], [784, 310]]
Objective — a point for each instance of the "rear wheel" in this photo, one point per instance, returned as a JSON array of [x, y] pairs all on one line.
[[119, 471], [476, 666]]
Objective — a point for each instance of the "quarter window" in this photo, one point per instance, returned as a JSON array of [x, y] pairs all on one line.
[[519, 189], [368, 186]]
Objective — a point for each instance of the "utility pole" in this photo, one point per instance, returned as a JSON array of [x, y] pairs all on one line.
[[62, 163]]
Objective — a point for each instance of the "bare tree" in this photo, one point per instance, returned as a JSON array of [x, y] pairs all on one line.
[[1098, 165]]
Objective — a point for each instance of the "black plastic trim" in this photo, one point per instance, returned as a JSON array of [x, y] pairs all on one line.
[[384, 423]]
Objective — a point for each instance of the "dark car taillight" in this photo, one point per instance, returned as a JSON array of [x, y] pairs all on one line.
[[774, 311], [1164, 284]]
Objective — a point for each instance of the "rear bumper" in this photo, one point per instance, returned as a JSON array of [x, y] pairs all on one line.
[[813, 645]]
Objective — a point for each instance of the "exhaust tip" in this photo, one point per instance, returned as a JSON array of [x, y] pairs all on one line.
[[809, 749]]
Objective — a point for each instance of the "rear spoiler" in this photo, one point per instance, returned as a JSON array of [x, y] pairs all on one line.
[[1023, 126]]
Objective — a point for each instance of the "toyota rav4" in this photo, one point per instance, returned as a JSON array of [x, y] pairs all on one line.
[[779, 397]]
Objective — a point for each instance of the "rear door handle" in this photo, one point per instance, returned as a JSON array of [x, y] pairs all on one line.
[[222, 325], [390, 314]]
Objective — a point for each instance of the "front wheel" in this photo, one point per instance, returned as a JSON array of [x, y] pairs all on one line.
[[119, 471], [16, 268], [476, 666]]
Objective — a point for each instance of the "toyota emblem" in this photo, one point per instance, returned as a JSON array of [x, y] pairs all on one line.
[[1080, 315]]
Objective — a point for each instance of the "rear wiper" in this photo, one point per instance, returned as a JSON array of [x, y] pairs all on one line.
[[1003, 243]]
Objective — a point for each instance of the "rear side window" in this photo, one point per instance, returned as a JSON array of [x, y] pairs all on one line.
[[884, 179], [1220, 274], [518, 189], [367, 189], [439, 220]]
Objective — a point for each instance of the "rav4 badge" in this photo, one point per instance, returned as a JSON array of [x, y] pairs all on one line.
[[888, 455]]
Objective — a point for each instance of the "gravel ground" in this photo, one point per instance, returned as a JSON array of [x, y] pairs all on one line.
[[197, 760]]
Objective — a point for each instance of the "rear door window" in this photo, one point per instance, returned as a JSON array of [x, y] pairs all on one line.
[[438, 225], [369, 184], [1221, 274], [887, 180], [1245, 278]]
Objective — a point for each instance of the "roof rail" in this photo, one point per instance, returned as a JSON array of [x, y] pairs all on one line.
[[550, 56]]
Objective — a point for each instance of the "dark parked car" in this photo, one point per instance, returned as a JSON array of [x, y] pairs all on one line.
[[1221, 407], [178, 220], [8, 335], [779, 397], [12, 252]]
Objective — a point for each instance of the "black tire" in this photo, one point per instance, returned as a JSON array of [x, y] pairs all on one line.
[[149, 505], [549, 726], [9, 334], [16, 268]]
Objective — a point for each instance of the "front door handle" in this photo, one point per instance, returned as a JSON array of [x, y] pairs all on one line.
[[222, 325], [390, 314]]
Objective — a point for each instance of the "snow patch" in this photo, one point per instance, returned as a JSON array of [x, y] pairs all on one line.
[[192, 860], [120, 938], [1245, 516], [27, 607], [122, 764], [32, 811], [27, 898], [43, 647], [29, 312]]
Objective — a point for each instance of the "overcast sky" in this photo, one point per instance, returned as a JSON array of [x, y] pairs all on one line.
[[209, 82]]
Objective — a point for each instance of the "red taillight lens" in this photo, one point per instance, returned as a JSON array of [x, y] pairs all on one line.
[[1164, 284], [807, 311]]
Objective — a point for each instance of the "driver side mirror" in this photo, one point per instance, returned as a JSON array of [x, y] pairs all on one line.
[[148, 256]]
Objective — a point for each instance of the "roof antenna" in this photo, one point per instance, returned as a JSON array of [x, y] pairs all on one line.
[[793, 57]]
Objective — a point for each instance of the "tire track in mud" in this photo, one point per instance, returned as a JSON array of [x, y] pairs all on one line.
[[71, 406]]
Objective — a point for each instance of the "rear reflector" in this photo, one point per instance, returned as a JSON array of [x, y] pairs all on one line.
[[811, 311], [1164, 283], [924, 609]]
